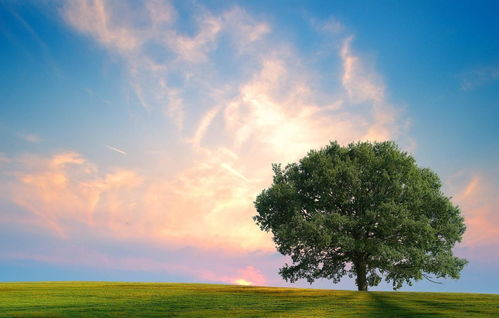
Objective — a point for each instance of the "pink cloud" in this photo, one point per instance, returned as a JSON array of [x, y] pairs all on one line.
[[250, 275], [243, 276], [480, 205], [203, 267], [273, 112], [273, 115]]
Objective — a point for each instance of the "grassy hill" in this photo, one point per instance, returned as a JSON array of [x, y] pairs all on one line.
[[102, 299]]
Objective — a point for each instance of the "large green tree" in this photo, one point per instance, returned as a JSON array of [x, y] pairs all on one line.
[[364, 210]]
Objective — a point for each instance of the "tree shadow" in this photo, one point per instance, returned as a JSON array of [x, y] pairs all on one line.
[[453, 308], [386, 306]]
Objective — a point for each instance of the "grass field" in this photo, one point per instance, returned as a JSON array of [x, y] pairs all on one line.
[[102, 299]]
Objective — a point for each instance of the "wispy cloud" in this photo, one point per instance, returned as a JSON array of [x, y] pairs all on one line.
[[478, 200], [33, 34], [269, 111], [156, 54], [239, 99], [479, 77], [33, 138], [365, 85], [475, 192], [3, 158]]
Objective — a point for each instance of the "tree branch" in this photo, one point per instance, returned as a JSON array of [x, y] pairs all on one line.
[[431, 280]]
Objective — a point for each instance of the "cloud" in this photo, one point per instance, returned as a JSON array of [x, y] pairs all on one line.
[[238, 98], [270, 110], [250, 276], [65, 158], [479, 77], [3, 158], [157, 55], [70, 194], [360, 86], [479, 203], [92, 17], [364, 85], [31, 33], [203, 125], [195, 265], [245, 276], [180, 73], [33, 138], [47, 188], [331, 25]]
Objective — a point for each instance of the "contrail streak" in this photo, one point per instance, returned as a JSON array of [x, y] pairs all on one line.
[[116, 149]]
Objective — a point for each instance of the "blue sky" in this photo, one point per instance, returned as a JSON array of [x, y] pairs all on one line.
[[134, 136]]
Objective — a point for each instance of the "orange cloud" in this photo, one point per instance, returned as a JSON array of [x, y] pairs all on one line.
[[274, 116], [208, 205], [272, 113]]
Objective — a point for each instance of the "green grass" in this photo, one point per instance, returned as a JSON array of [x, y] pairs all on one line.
[[102, 299]]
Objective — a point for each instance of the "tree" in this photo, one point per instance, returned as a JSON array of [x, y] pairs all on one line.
[[364, 210]]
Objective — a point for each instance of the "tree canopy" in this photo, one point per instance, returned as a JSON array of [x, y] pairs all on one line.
[[365, 210]]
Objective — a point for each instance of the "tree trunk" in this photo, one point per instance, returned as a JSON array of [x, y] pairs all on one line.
[[361, 280]]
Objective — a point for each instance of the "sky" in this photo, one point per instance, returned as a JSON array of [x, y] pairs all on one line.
[[135, 136]]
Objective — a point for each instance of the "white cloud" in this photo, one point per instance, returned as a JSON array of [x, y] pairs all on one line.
[[155, 52]]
